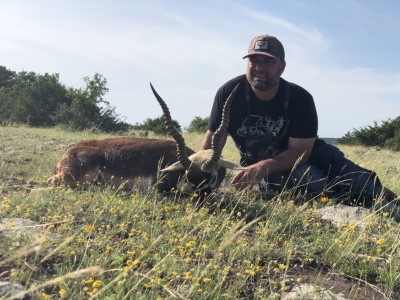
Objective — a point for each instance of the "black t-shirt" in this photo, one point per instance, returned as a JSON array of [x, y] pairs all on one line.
[[261, 129]]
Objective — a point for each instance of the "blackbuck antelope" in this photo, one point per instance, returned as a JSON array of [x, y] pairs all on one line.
[[129, 163]]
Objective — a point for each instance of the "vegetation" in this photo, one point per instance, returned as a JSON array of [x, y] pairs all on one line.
[[156, 125], [98, 244], [198, 125], [43, 101], [386, 134], [39, 100]]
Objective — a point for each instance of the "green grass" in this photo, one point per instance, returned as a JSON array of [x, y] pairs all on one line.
[[97, 244]]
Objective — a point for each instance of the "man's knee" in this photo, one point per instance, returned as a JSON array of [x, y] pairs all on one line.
[[309, 178]]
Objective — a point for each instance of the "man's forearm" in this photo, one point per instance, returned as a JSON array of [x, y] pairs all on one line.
[[283, 162], [299, 150], [207, 140]]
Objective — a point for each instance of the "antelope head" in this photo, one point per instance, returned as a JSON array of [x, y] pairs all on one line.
[[205, 169]]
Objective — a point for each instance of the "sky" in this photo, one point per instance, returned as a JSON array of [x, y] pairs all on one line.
[[344, 52]]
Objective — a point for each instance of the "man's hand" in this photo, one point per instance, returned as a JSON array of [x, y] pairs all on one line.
[[246, 179]]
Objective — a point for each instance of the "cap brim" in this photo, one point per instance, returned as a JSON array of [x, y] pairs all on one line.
[[259, 53]]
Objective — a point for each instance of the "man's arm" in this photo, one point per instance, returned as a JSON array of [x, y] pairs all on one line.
[[207, 140], [284, 161]]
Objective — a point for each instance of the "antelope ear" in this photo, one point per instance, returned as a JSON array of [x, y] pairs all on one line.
[[229, 165], [173, 167]]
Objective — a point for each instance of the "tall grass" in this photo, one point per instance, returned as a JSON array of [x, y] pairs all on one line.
[[97, 244]]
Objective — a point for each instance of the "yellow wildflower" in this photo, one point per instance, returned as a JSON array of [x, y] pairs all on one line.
[[88, 228], [131, 263], [45, 296], [324, 198], [250, 272], [190, 244], [147, 285], [63, 293], [97, 284], [187, 276]]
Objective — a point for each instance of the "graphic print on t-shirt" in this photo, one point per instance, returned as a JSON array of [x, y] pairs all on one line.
[[258, 127], [262, 136]]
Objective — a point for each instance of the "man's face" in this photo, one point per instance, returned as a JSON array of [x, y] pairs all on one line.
[[263, 72]]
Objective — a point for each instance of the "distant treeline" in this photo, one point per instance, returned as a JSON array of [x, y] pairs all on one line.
[[386, 134], [43, 101], [38, 100]]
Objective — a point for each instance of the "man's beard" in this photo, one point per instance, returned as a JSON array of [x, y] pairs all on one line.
[[262, 84]]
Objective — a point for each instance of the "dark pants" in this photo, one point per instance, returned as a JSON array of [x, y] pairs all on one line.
[[329, 171]]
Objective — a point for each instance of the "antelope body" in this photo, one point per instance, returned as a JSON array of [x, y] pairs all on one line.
[[122, 163], [129, 163]]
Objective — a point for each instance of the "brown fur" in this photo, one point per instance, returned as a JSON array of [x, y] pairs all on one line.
[[123, 163]]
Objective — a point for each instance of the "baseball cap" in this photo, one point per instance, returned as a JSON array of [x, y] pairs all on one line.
[[266, 45]]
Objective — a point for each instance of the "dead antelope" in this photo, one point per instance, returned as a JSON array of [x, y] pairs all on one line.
[[128, 163]]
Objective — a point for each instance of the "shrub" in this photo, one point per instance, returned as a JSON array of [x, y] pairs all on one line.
[[156, 125], [394, 143], [41, 100], [387, 134], [198, 124]]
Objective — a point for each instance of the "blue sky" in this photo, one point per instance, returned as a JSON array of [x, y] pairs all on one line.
[[345, 53]]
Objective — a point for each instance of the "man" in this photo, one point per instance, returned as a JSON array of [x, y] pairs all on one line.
[[274, 126]]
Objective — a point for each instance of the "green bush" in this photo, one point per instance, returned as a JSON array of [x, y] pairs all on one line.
[[198, 124], [156, 125], [42, 101], [88, 109], [386, 134], [29, 98], [394, 143]]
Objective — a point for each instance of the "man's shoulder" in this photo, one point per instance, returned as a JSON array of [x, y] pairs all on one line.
[[228, 86], [295, 89]]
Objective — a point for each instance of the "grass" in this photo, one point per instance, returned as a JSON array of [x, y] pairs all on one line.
[[97, 244]]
